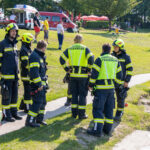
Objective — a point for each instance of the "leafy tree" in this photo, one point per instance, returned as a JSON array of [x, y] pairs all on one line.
[[112, 8]]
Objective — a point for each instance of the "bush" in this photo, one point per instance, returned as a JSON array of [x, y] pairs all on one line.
[[79, 24], [96, 24], [122, 25]]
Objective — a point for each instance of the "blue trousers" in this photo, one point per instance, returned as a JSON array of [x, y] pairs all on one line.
[[10, 104], [79, 90], [39, 102], [103, 105], [60, 39]]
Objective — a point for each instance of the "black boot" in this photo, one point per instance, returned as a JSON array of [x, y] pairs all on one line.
[[17, 117], [40, 119], [118, 116], [68, 102], [31, 122], [93, 132], [22, 105], [7, 116]]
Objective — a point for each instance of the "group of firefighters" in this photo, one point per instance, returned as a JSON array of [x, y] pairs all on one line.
[[109, 74]]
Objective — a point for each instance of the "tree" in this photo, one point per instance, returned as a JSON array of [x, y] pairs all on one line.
[[112, 8]]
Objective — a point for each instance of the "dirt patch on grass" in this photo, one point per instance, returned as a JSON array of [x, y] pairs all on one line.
[[144, 100]]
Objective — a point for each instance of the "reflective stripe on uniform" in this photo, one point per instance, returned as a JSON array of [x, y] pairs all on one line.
[[43, 82], [8, 49], [121, 60], [96, 67], [13, 105], [90, 66], [119, 69], [5, 106], [36, 80], [79, 75], [129, 72], [41, 111], [118, 81], [1, 54], [92, 80], [110, 121], [34, 64], [128, 65], [31, 113], [74, 106], [98, 120], [64, 57], [89, 55], [120, 109], [24, 58], [81, 107], [28, 101], [104, 86], [69, 96], [25, 78], [8, 76]]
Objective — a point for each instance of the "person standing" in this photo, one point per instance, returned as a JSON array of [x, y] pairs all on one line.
[[25, 52], [46, 30], [80, 63], [38, 78], [36, 25], [60, 33], [9, 73], [105, 72], [127, 70]]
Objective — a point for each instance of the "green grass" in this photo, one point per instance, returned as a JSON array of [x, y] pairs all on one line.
[[65, 133], [136, 44]]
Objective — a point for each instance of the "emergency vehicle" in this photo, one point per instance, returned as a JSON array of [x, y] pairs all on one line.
[[54, 18]]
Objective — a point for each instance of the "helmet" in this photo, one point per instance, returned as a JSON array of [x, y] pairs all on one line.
[[27, 38], [119, 43], [11, 26]]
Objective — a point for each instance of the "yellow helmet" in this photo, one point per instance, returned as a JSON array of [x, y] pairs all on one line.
[[11, 26], [119, 43], [27, 38]]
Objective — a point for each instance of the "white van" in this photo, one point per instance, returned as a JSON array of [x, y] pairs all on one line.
[[25, 15]]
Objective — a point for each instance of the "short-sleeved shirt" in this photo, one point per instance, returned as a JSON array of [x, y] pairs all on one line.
[[60, 28], [46, 25], [37, 20]]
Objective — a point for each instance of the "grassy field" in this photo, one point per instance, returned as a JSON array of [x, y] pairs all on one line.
[[65, 133], [136, 44]]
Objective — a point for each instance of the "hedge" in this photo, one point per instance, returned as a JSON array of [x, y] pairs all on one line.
[[96, 24]]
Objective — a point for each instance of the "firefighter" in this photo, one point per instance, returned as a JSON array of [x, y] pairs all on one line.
[[127, 69], [80, 63], [9, 73], [25, 52], [106, 71], [38, 78], [69, 95]]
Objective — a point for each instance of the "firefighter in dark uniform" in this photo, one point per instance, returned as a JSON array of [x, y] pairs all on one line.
[[106, 71], [9, 73], [127, 69], [38, 79], [80, 63], [25, 52], [69, 95]]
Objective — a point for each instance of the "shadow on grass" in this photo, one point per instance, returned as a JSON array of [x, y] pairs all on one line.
[[85, 141], [43, 134], [147, 50]]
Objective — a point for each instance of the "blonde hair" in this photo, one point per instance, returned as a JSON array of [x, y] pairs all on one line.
[[78, 38]]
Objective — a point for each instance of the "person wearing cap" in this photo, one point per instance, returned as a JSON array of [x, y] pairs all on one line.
[[127, 70], [25, 51], [9, 73]]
